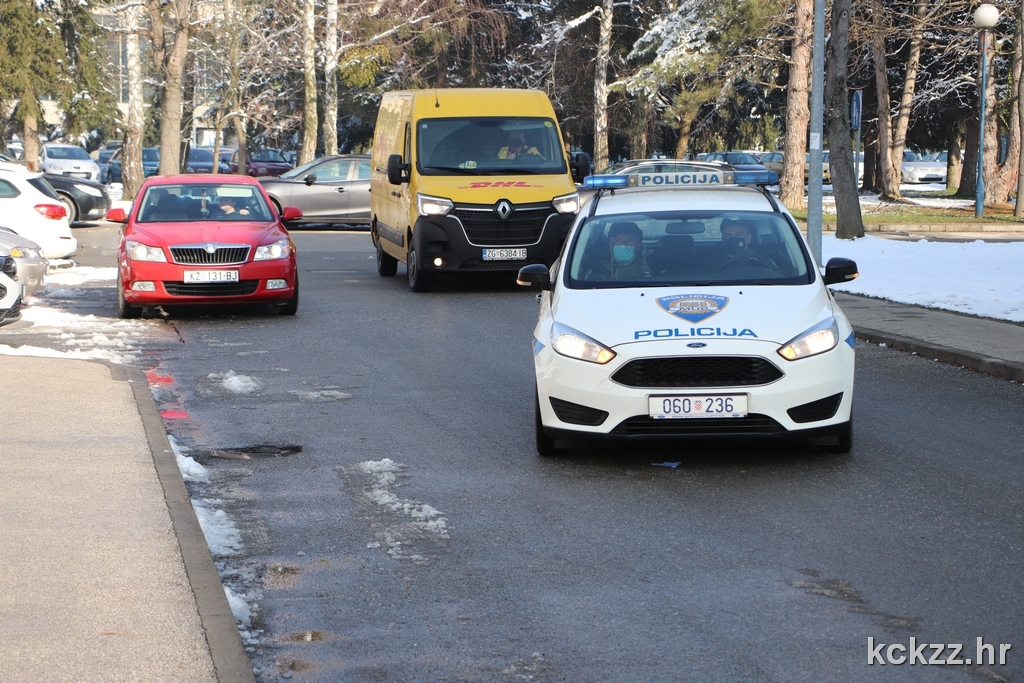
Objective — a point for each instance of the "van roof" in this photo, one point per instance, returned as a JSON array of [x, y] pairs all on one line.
[[442, 102]]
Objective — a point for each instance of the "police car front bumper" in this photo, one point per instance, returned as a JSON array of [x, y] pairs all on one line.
[[813, 395]]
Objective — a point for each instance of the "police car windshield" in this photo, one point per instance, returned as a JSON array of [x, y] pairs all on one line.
[[687, 248], [489, 146]]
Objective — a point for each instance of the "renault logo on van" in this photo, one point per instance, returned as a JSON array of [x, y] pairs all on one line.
[[504, 209]]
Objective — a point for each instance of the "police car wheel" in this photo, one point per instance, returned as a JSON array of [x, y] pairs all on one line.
[[387, 265], [418, 280], [545, 444], [844, 439]]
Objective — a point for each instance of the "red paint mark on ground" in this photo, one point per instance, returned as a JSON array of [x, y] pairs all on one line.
[[154, 378], [174, 415]]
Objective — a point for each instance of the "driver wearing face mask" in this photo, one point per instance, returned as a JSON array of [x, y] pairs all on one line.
[[736, 239], [626, 243]]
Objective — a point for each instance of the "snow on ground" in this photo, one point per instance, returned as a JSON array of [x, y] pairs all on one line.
[[235, 383], [980, 278], [81, 336], [79, 275]]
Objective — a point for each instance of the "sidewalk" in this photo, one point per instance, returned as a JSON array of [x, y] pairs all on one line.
[[107, 576]]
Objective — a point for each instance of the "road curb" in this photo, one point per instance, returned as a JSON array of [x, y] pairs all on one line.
[[230, 660], [973, 361]]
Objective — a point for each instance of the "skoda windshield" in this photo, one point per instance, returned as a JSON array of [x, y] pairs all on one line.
[[489, 146], [208, 201], [687, 248]]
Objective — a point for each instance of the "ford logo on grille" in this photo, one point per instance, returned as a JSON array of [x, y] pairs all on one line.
[[503, 209], [697, 345]]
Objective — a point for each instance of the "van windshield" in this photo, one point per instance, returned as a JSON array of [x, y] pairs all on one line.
[[489, 146]]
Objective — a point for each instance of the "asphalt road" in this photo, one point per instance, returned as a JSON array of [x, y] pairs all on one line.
[[744, 563]]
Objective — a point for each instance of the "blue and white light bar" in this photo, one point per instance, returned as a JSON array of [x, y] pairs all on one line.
[[667, 180]]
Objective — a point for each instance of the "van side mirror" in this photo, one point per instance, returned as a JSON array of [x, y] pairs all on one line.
[[579, 166], [535, 276], [398, 172], [310, 179], [840, 270]]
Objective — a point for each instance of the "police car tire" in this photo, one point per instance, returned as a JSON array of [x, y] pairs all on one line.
[[418, 280], [845, 439], [124, 309], [545, 444], [387, 265]]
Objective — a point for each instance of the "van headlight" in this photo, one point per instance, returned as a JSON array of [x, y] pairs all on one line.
[[569, 342], [821, 338], [567, 203], [433, 206], [137, 251], [268, 252]]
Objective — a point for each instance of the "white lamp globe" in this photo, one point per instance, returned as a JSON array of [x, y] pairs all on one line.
[[986, 16]]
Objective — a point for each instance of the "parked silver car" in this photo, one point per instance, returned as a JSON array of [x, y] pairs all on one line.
[[29, 259], [69, 160], [334, 189], [10, 290]]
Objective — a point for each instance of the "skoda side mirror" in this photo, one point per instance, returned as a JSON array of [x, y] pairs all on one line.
[[398, 172], [310, 179], [840, 270], [535, 276], [579, 166]]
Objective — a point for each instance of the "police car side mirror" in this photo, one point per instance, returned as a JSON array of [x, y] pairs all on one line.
[[579, 165], [535, 276], [397, 171], [839, 270]]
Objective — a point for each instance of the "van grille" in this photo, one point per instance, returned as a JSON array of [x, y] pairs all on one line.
[[484, 228]]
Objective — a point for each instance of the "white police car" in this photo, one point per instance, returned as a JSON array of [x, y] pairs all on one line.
[[688, 305]]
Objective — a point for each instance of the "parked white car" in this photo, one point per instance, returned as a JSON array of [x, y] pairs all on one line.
[[27, 255], [918, 169], [69, 160], [31, 208], [10, 291]]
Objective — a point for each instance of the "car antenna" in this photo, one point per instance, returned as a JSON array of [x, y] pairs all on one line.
[[437, 104]]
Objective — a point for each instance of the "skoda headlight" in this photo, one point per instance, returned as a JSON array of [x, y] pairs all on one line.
[[821, 338], [90, 190], [569, 342], [137, 251], [267, 252], [567, 203], [433, 206]]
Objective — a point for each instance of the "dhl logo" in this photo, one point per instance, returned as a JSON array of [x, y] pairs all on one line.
[[497, 183]]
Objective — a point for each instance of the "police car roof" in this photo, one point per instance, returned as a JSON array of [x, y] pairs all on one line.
[[726, 197]]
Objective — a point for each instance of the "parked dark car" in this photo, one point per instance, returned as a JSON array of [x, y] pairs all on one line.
[[150, 164], [334, 189], [262, 163], [741, 161], [84, 199], [200, 160]]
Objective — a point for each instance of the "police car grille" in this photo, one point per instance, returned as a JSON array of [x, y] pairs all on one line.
[[240, 288], [574, 413], [709, 371], [480, 264], [484, 228], [220, 255], [751, 425], [814, 411]]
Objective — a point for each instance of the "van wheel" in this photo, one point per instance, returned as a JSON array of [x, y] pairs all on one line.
[[545, 444], [387, 265], [418, 280]]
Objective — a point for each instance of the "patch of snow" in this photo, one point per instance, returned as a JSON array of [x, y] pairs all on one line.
[[319, 396], [80, 275], [222, 535], [190, 469], [235, 383]]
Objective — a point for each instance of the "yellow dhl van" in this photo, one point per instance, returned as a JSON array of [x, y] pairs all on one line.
[[469, 180]]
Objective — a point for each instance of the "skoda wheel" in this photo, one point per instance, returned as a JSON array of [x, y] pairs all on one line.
[[291, 306], [125, 309]]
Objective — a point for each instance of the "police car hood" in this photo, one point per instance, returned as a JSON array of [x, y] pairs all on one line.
[[763, 313]]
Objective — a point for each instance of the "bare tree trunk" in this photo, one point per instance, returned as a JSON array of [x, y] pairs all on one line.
[[954, 156], [242, 140], [849, 223], [990, 143], [969, 177], [169, 60], [899, 139], [604, 47], [309, 118], [132, 174], [1018, 209], [1005, 180], [685, 121], [30, 133], [798, 115], [217, 130], [889, 173], [238, 118], [331, 79], [869, 183]]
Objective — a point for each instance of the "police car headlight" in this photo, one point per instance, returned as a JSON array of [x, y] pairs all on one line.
[[137, 251], [821, 338], [433, 206], [267, 252], [567, 203], [568, 342]]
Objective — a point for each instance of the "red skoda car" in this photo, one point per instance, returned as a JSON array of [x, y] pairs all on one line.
[[204, 239]]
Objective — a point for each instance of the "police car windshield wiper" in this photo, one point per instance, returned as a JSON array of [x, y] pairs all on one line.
[[457, 169]]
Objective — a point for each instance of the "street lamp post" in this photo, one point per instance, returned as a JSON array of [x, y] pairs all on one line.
[[985, 17]]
